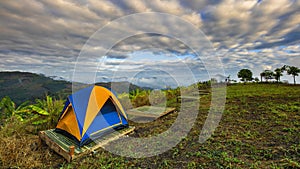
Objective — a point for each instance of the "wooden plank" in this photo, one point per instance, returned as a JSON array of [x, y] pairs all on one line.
[[137, 112], [141, 114], [187, 98], [204, 91], [85, 150], [54, 146], [190, 97], [167, 112], [112, 139], [102, 143]]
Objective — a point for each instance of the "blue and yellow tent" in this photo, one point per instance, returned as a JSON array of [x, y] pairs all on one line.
[[91, 112]]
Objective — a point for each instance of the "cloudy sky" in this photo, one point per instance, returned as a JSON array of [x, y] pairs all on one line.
[[51, 37]]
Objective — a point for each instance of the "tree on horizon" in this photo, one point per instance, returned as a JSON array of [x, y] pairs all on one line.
[[292, 70], [245, 75], [267, 74], [262, 74], [278, 73], [227, 79]]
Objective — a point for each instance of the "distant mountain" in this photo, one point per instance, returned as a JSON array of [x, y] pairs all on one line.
[[23, 86], [121, 87]]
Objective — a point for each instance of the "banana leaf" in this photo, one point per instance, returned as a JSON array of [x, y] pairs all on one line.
[[38, 110]]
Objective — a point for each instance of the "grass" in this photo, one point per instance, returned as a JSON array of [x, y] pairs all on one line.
[[259, 129]]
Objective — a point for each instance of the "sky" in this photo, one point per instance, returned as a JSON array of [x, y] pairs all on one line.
[[52, 37]]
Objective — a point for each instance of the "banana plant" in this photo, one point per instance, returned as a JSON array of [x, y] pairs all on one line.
[[47, 111], [44, 111], [134, 94], [8, 108]]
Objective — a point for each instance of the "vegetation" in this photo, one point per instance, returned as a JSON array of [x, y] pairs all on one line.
[[245, 75], [269, 74], [24, 86], [292, 70], [259, 129], [42, 112], [278, 74]]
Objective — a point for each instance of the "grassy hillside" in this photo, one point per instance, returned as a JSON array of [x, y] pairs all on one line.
[[23, 86], [259, 129]]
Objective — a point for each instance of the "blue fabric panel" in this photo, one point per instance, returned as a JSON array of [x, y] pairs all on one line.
[[124, 121], [66, 105], [106, 117], [85, 137], [79, 102], [103, 120]]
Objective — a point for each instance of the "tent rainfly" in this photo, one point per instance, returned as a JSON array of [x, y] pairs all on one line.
[[90, 113]]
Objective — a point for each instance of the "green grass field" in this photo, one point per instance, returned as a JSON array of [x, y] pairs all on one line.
[[259, 128]]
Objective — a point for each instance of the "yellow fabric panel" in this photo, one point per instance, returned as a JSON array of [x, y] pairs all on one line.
[[64, 113], [116, 101], [69, 123], [97, 99]]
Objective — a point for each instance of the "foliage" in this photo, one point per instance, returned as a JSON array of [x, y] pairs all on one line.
[[245, 75], [292, 70], [48, 111], [139, 97], [267, 74], [8, 108], [44, 111], [278, 73], [204, 85], [227, 79]]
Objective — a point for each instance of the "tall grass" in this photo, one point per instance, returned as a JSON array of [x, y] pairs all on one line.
[[18, 131]]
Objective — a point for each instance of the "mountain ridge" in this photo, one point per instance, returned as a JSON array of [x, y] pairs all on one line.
[[24, 86]]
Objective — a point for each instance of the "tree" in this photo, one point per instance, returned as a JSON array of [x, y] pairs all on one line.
[[262, 74], [284, 67], [278, 74], [292, 70], [267, 74], [245, 75], [256, 79], [227, 79]]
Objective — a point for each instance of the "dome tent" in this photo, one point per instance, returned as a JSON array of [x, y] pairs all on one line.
[[90, 113]]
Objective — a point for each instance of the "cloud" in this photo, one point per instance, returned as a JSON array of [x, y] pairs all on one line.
[[247, 22], [49, 35]]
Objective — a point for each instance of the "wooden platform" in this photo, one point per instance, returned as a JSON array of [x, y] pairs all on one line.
[[69, 149], [194, 96], [141, 114]]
